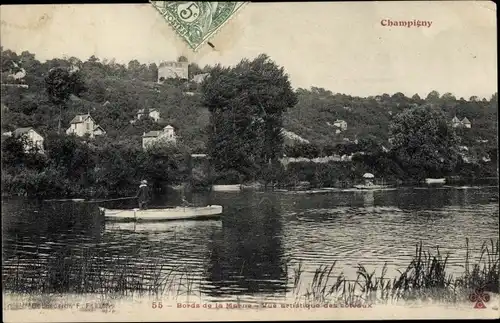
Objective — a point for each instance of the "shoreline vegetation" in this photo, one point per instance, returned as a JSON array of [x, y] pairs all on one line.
[[426, 278], [245, 118]]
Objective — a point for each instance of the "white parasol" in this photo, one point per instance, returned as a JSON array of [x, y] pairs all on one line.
[[368, 175]]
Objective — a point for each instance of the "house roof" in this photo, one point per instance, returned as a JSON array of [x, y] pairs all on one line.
[[168, 127], [338, 121], [465, 120], [21, 131], [80, 118], [455, 119], [154, 133], [99, 127]]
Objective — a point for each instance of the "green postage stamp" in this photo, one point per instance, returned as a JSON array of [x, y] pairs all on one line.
[[196, 21]]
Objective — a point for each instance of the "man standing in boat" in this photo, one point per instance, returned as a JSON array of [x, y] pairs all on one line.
[[143, 195]]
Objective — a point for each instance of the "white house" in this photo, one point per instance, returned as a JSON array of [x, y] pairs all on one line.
[[84, 124], [33, 139], [166, 135], [456, 123], [198, 78], [341, 124], [153, 114], [172, 70], [466, 123]]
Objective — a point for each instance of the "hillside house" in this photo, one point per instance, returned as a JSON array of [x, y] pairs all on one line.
[[172, 70], [198, 78], [457, 123], [166, 135], [84, 124], [466, 123], [341, 124], [33, 139], [153, 114]]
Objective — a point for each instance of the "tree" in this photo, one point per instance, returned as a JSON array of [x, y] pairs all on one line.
[[448, 97], [423, 142], [416, 98], [165, 164], [13, 153], [370, 145], [432, 97], [247, 105], [152, 72], [60, 84], [194, 69]]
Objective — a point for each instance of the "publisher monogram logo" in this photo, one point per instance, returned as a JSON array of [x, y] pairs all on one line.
[[479, 297]]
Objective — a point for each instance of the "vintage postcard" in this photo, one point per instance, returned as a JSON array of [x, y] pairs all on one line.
[[213, 161]]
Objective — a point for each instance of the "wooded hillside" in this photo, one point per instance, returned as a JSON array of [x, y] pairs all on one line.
[[113, 93]]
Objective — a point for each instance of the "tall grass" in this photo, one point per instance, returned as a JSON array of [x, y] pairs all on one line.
[[426, 278], [88, 270]]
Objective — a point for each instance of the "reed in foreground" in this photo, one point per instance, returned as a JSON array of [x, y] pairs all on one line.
[[425, 279]]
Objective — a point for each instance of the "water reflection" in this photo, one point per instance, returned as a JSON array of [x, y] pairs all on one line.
[[368, 198], [68, 247], [246, 256]]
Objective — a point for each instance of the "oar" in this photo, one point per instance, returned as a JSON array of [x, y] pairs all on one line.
[[109, 200]]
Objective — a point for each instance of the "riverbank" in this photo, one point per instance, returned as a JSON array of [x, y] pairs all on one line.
[[303, 187], [74, 168]]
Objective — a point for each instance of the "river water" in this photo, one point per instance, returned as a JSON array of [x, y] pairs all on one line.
[[253, 250]]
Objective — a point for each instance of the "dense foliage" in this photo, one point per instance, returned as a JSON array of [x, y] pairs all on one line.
[[73, 166], [247, 103], [424, 142], [236, 116]]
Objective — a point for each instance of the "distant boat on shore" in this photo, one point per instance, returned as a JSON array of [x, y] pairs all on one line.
[[435, 180], [371, 187], [226, 188], [252, 186]]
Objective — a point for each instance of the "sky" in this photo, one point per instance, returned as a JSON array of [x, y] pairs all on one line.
[[341, 47]]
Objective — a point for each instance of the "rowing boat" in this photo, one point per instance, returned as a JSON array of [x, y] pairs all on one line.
[[163, 214], [435, 180], [226, 188]]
